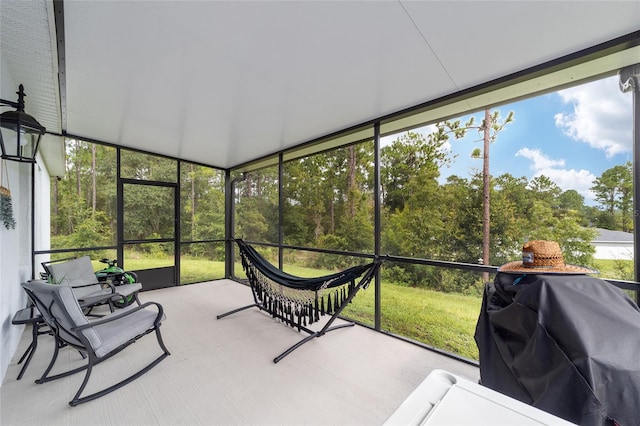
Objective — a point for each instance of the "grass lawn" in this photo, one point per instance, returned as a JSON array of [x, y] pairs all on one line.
[[615, 269], [443, 320]]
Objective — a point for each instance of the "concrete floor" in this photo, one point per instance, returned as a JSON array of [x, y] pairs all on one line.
[[221, 372]]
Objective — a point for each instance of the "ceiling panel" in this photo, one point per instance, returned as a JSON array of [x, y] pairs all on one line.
[[227, 82], [498, 38]]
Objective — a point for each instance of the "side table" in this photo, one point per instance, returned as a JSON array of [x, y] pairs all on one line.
[[29, 316]]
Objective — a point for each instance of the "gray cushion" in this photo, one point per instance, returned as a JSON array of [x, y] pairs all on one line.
[[128, 289], [115, 333], [62, 312], [75, 272]]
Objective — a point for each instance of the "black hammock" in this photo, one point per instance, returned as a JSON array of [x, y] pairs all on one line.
[[299, 301]]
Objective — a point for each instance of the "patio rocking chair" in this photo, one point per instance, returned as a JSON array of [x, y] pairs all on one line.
[[98, 340], [78, 274]]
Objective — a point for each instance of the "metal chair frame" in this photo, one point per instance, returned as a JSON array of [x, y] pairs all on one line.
[[82, 344]]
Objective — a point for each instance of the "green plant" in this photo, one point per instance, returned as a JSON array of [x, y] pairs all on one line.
[[6, 209]]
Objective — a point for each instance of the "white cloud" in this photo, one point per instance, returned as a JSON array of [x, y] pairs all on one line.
[[540, 161], [602, 116], [579, 180]]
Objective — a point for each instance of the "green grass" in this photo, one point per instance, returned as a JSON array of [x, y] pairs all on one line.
[[443, 320], [615, 269]]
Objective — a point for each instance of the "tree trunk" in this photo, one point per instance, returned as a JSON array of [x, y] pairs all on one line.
[[351, 182], [486, 183], [193, 202], [248, 185], [94, 194], [77, 166], [55, 206], [332, 214]]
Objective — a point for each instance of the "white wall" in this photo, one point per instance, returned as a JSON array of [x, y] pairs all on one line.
[[15, 244], [614, 250], [15, 260]]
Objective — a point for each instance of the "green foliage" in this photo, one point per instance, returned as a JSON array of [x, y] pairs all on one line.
[[614, 191], [83, 203], [256, 207], [618, 269], [6, 211], [434, 278], [410, 155], [201, 203]]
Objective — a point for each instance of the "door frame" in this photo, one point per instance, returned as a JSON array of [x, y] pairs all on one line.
[[153, 277]]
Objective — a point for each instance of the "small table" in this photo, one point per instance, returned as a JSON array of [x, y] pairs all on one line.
[[31, 316]]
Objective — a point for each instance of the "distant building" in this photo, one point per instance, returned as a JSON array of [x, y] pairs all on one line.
[[616, 245]]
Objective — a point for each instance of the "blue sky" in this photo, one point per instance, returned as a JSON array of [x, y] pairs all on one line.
[[570, 136]]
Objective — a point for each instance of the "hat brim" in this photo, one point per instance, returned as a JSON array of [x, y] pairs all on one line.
[[518, 267]]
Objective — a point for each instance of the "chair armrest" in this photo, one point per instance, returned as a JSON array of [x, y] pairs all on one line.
[[101, 283], [110, 318], [93, 300]]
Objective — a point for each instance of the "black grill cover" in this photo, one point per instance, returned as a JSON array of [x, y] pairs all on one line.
[[567, 344]]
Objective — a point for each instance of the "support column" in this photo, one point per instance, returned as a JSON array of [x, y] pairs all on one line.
[[630, 82]]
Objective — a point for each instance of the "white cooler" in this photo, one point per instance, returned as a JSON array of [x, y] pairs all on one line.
[[446, 399]]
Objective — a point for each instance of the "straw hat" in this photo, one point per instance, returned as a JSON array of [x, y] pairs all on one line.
[[543, 257]]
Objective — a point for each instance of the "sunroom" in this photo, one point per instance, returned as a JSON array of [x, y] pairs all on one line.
[[325, 134]]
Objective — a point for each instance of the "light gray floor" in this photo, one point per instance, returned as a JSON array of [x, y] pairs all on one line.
[[221, 372]]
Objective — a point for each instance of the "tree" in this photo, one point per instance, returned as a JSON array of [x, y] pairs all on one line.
[[257, 206], [409, 153], [567, 231], [614, 190], [490, 128], [409, 169], [546, 190], [571, 200]]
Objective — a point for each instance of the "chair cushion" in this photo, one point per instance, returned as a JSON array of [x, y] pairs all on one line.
[[93, 297], [61, 311], [68, 299], [74, 273], [128, 289], [115, 333]]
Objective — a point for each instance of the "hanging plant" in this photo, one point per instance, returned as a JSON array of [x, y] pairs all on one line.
[[6, 207]]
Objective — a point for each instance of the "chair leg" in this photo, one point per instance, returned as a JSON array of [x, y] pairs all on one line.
[[92, 361], [75, 399], [28, 354], [43, 378], [58, 345], [161, 342]]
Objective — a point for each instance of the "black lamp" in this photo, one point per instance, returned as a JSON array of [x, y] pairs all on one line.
[[20, 133]]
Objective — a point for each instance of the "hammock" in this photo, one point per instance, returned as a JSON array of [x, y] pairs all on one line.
[[298, 301]]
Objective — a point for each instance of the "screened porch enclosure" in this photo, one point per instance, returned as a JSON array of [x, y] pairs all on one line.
[[315, 211], [142, 183], [380, 189], [326, 135]]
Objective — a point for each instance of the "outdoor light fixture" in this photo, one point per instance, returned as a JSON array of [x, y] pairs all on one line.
[[20, 133]]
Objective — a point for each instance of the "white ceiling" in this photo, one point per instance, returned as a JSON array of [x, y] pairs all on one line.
[[226, 82]]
